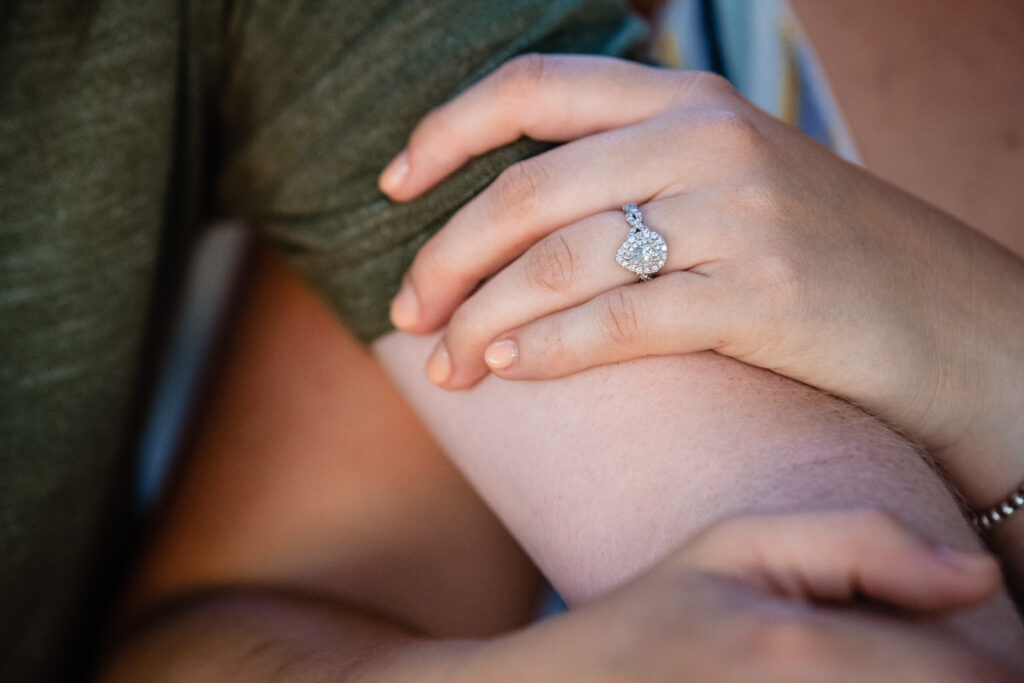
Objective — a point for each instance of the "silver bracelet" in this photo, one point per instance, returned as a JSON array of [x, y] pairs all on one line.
[[985, 520]]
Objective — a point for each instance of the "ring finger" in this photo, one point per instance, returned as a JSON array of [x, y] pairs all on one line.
[[534, 197], [565, 269]]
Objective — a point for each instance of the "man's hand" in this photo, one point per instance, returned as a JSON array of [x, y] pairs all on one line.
[[768, 599], [742, 601]]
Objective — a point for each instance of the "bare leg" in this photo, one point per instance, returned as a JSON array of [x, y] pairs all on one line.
[[601, 473]]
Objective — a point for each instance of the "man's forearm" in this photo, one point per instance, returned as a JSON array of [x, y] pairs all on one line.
[[263, 636], [601, 473]]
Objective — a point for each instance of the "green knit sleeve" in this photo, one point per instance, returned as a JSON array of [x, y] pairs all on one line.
[[320, 95]]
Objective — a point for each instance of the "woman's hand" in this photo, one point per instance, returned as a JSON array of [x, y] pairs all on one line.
[[780, 255], [768, 599]]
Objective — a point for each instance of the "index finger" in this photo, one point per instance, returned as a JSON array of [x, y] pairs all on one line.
[[546, 97]]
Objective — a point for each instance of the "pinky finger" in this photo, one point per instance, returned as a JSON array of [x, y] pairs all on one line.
[[680, 312]]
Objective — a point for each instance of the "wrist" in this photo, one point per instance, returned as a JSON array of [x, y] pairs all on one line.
[[987, 465], [983, 408], [986, 459]]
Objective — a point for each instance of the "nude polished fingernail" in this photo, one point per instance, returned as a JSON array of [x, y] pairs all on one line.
[[395, 172], [405, 309], [439, 365], [501, 355]]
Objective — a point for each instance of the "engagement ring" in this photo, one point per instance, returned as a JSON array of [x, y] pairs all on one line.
[[644, 252]]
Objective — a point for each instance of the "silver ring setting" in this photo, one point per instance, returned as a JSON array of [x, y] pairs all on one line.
[[644, 252]]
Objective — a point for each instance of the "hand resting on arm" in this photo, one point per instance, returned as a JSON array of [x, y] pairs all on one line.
[[780, 255], [303, 554]]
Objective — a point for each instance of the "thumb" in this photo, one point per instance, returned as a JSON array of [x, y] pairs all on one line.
[[840, 556]]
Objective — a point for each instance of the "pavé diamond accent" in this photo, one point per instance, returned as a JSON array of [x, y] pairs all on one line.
[[644, 252]]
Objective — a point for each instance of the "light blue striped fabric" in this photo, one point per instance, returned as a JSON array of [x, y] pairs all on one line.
[[764, 53]]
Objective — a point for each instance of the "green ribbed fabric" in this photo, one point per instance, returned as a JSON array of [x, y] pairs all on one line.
[[124, 125]]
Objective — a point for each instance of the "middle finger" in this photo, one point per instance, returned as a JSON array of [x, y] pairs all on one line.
[[536, 196]]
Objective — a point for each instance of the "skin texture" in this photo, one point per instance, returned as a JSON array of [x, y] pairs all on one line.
[[706, 628], [287, 555], [954, 61], [782, 256], [695, 612], [598, 484], [749, 440], [309, 473]]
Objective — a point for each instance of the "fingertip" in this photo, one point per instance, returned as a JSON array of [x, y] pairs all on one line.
[[394, 175], [441, 370], [405, 309], [946, 580], [501, 355], [439, 366], [981, 567]]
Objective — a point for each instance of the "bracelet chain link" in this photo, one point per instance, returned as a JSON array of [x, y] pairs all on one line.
[[985, 520]]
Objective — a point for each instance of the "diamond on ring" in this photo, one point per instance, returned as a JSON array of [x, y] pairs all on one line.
[[644, 252]]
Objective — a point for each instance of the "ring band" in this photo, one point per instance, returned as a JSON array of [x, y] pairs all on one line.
[[644, 252]]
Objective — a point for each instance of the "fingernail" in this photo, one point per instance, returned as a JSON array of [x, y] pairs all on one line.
[[395, 172], [439, 365], [405, 309], [961, 561], [501, 355]]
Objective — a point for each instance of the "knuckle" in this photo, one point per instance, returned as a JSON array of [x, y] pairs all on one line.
[[732, 131], [516, 190], [521, 76], [552, 265], [619, 318], [710, 83]]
